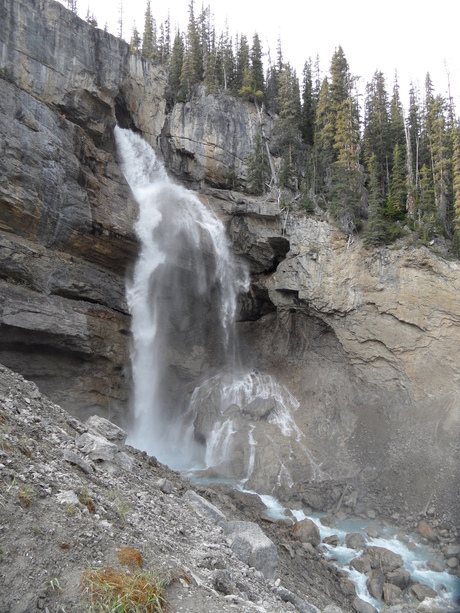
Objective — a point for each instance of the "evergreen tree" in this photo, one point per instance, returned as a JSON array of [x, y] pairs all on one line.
[[242, 64], [72, 5], [258, 167], [441, 161], [324, 139], [257, 67], [377, 135], [175, 68], [149, 36], [375, 231], [307, 123], [135, 42], [192, 68], [91, 19], [397, 128], [414, 123], [456, 190], [396, 205], [120, 19]]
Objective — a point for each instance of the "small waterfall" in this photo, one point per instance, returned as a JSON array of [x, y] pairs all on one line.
[[237, 424]]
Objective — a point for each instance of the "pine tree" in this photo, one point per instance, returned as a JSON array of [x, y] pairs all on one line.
[[135, 42], [120, 19], [242, 64], [175, 68], [307, 123], [324, 139], [257, 67], [258, 167], [377, 136], [396, 205], [192, 68], [441, 161], [414, 123], [149, 36], [375, 231], [456, 190], [72, 6]]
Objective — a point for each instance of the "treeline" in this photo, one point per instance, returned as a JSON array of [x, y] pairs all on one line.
[[369, 165]]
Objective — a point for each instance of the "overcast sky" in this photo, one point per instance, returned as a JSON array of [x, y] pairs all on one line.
[[409, 36]]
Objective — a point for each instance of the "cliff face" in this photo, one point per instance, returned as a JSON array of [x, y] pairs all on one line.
[[367, 341]]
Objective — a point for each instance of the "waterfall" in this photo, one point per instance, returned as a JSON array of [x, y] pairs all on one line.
[[195, 404], [184, 290]]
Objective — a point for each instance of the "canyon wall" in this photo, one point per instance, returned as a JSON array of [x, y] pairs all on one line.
[[367, 340]]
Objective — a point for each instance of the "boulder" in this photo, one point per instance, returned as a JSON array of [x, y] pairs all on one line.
[[355, 541], [252, 546], [306, 531], [103, 427], [391, 593], [204, 508], [375, 584], [421, 591], [399, 577], [382, 559], [427, 532], [361, 606]]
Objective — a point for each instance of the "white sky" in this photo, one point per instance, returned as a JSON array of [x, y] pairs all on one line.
[[410, 36]]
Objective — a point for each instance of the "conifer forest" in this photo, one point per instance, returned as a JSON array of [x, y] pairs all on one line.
[[377, 164]]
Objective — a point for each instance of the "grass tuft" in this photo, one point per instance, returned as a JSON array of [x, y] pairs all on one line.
[[128, 556], [110, 590]]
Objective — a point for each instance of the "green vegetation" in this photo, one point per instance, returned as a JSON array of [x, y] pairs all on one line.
[[366, 165], [114, 591]]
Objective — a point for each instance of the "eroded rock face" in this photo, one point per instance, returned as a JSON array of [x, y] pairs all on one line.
[[66, 213]]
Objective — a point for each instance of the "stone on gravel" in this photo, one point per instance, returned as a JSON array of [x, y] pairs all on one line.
[[97, 447], [252, 546], [301, 605], [427, 532], [103, 427], [76, 460], [204, 508], [69, 497]]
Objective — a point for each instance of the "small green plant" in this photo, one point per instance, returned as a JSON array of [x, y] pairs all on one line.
[[12, 484], [121, 504], [7, 74], [26, 494], [55, 585], [86, 500], [71, 509], [110, 590]]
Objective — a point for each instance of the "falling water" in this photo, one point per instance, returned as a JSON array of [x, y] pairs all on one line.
[[183, 300], [184, 261]]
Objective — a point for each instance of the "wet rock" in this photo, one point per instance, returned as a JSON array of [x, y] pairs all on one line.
[[372, 531], [252, 546], [399, 577], [259, 408], [382, 558], [436, 566], [355, 541], [362, 565], [391, 593], [452, 563], [360, 606], [332, 540], [375, 584], [306, 531], [421, 591]]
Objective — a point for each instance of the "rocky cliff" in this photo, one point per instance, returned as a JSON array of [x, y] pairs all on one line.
[[366, 340]]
